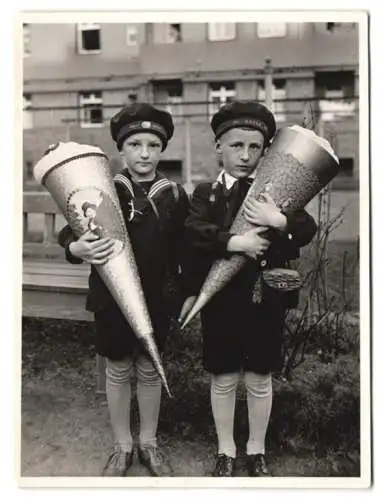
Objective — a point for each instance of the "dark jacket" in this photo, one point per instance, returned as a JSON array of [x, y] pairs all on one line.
[[231, 321], [157, 242], [211, 214]]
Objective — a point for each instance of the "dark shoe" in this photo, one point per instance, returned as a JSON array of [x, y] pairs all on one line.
[[155, 461], [118, 463], [225, 466], [257, 466]]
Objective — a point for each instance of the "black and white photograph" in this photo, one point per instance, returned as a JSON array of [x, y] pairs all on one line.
[[195, 249]]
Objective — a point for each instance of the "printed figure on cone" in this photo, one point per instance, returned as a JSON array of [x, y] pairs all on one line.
[[154, 210], [89, 211], [242, 324]]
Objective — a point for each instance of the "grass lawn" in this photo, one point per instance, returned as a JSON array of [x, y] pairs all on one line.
[[65, 426]]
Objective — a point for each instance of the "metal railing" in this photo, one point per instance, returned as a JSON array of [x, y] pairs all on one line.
[[290, 109]]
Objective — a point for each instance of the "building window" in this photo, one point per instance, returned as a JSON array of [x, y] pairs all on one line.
[[173, 33], [27, 111], [346, 167], [175, 96], [339, 27], [271, 30], [169, 94], [174, 106], [278, 97], [88, 38], [131, 36], [335, 90], [219, 94], [26, 39], [221, 31], [91, 109], [346, 179]]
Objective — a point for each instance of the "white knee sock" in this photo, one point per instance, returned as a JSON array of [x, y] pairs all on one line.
[[149, 399], [259, 402], [118, 389], [223, 396]]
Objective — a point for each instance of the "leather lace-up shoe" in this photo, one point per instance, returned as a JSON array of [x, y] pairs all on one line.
[[155, 461], [118, 463], [225, 466], [257, 466]]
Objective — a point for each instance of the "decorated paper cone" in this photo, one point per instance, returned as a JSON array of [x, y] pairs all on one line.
[[297, 166], [79, 180]]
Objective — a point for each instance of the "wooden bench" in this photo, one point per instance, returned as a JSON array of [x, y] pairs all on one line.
[[51, 287]]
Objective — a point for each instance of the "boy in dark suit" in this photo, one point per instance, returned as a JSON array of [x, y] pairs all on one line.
[[154, 210], [242, 329]]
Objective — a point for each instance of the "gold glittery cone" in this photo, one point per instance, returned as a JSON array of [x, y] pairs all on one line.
[[296, 167], [80, 182]]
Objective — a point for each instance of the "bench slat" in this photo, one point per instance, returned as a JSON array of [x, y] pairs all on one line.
[[63, 267], [55, 277], [44, 250]]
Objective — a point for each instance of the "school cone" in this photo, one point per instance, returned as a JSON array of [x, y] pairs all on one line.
[[297, 166], [80, 182], [198, 305]]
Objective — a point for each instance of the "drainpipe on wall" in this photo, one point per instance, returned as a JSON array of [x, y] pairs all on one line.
[[188, 184], [268, 82]]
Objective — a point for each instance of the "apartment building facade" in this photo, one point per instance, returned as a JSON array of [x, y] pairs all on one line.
[[76, 76]]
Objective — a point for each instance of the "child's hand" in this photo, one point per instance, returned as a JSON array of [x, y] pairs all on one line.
[[251, 243], [92, 249], [254, 244], [264, 213], [186, 308]]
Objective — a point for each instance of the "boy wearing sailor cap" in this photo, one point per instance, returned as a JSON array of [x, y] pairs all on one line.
[[154, 209], [241, 329]]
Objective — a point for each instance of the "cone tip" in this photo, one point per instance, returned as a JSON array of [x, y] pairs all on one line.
[[155, 357], [183, 324], [192, 313]]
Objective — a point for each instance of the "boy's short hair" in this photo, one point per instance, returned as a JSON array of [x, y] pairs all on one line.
[[141, 117]]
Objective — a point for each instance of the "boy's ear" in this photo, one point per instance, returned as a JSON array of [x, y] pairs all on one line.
[[218, 148], [122, 158], [218, 151]]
